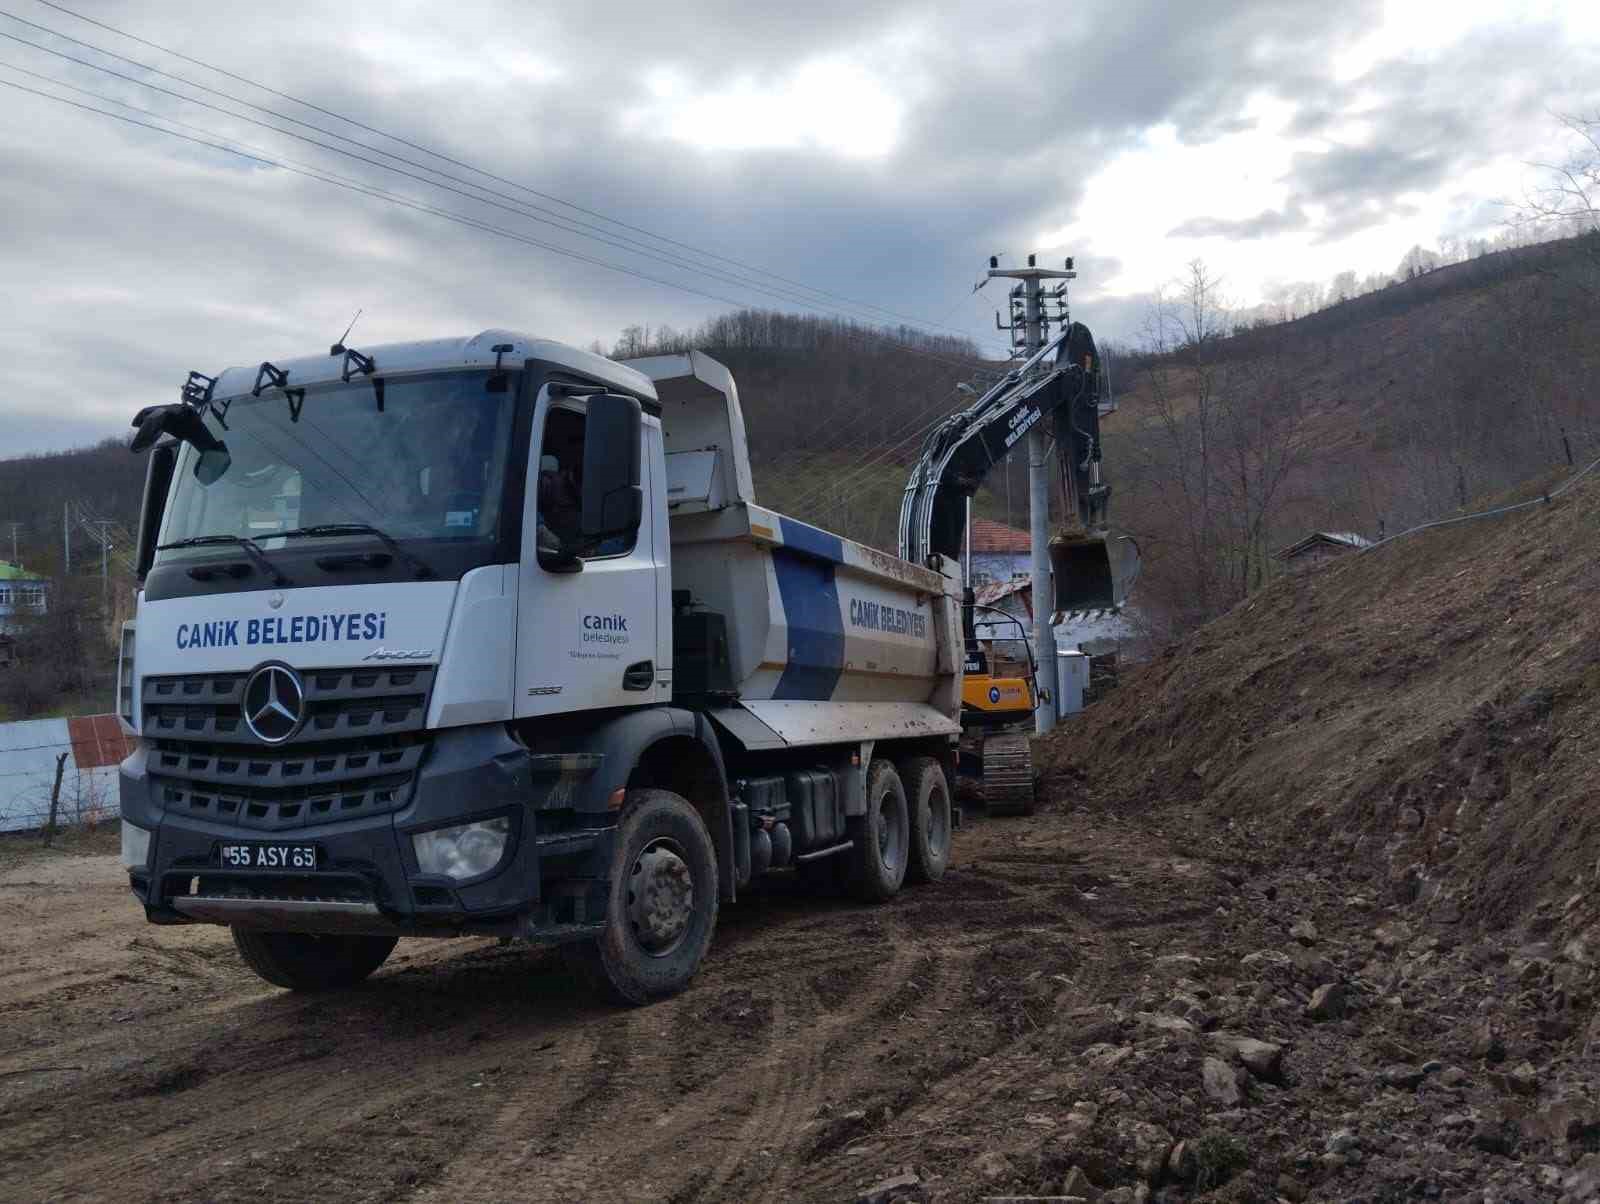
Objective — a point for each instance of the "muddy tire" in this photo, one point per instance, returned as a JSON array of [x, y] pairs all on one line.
[[928, 794], [882, 837], [304, 961], [663, 905]]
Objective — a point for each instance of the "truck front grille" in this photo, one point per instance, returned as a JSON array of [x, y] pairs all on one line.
[[357, 753], [339, 703]]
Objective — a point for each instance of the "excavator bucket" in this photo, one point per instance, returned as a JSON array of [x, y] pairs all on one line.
[[1092, 570]]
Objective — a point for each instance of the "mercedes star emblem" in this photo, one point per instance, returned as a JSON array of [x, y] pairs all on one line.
[[274, 703]]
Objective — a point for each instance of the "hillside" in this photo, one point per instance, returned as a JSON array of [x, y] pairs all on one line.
[[1391, 761], [1371, 415], [1430, 709]]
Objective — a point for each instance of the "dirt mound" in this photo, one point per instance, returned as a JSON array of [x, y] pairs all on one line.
[[1431, 708]]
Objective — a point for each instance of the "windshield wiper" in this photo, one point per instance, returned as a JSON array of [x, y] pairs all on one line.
[[418, 567], [251, 548]]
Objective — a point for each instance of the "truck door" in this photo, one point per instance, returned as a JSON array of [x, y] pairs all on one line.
[[587, 622]]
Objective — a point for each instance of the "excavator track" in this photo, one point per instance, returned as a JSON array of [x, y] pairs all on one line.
[[1008, 773]]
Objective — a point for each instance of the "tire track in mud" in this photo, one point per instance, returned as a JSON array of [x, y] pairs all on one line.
[[270, 1096], [469, 1071], [798, 1072]]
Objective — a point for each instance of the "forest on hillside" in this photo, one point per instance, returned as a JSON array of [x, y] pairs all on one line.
[[1234, 438]]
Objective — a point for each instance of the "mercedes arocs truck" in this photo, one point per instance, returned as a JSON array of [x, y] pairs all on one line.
[[491, 636]]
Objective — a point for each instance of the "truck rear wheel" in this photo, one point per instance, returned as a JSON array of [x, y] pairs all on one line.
[[663, 905], [882, 837], [306, 961], [928, 794]]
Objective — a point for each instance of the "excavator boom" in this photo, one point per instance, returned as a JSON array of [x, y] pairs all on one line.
[[1061, 384]]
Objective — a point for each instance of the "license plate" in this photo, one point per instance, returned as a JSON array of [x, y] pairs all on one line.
[[267, 856]]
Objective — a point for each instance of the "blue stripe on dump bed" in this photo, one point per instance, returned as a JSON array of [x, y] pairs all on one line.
[[810, 600], [812, 541]]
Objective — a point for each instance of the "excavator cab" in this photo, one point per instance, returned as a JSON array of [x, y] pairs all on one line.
[[1092, 570]]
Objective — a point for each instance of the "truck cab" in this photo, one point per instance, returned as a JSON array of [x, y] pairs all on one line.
[[489, 635]]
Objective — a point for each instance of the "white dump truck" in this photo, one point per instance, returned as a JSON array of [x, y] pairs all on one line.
[[490, 635]]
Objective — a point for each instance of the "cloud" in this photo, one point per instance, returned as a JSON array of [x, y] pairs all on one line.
[[878, 152], [1264, 224]]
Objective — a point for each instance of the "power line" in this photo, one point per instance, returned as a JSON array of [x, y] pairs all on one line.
[[845, 434], [368, 190], [845, 330], [1541, 500], [424, 149], [855, 473], [512, 205]]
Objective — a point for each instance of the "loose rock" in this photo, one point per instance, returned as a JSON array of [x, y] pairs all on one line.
[[906, 1186], [1327, 1002], [1261, 1058], [1342, 1141], [1492, 1137], [1404, 1077], [1164, 1023], [1077, 1184], [993, 1165], [1220, 1082]]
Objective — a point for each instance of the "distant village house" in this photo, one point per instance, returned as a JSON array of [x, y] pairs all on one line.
[[21, 592], [1320, 547]]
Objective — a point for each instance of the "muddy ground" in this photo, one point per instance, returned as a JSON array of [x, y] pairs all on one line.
[[1060, 1010]]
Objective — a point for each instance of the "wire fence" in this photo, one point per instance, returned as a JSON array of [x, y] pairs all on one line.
[[87, 796], [1543, 500], [68, 765]]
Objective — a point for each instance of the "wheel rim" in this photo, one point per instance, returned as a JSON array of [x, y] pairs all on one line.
[[891, 830], [660, 897], [938, 824]]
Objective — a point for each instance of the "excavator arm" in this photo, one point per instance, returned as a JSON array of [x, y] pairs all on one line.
[[1059, 385]]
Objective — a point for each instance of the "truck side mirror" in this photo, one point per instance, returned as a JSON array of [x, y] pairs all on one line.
[[613, 502], [157, 480], [182, 422]]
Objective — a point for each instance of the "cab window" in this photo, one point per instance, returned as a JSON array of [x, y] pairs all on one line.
[[560, 497]]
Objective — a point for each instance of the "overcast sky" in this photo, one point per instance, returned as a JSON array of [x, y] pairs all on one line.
[[878, 152]]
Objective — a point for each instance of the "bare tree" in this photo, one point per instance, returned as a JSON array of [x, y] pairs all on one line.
[[1176, 444], [1567, 195], [1262, 424]]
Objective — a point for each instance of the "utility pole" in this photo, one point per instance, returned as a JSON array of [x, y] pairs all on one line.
[[105, 575], [14, 527], [1029, 327], [66, 545]]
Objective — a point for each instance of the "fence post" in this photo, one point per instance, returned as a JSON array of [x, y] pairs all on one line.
[[55, 799]]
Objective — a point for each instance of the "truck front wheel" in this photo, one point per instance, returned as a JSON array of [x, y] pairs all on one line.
[[663, 905], [882, 837], [306, 961]]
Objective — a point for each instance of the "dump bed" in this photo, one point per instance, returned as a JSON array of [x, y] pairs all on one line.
[[829, 639]]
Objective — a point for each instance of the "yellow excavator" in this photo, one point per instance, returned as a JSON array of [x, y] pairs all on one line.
[[999, 693], [1059, 385]]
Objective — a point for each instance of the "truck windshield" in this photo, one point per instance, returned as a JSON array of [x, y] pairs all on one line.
[[421, 458]]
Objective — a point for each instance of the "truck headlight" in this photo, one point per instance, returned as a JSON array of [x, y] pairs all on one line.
[[464, 851], [135, 846]]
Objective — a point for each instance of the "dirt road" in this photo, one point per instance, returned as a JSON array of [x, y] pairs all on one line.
[[824, 1045], [1063, 1009]]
